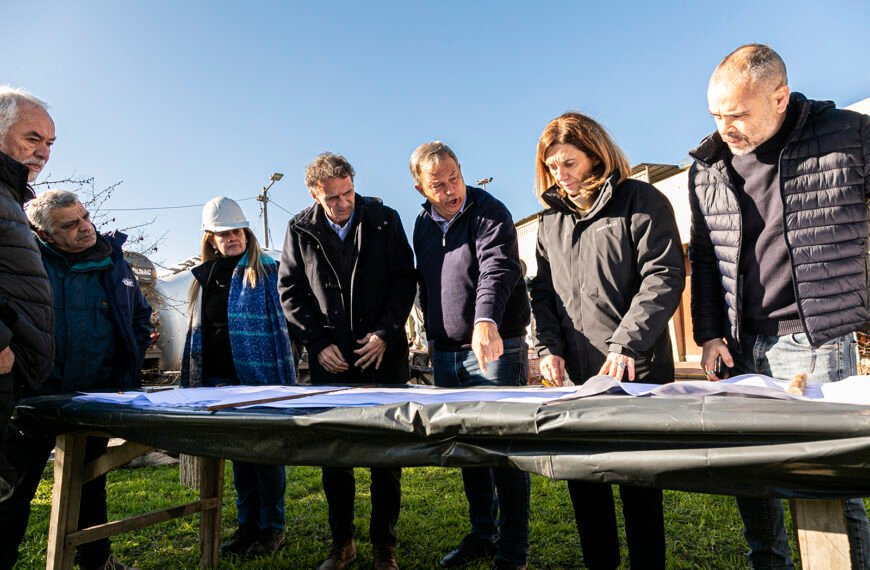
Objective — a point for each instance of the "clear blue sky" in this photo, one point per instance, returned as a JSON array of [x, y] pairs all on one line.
[[188, 100]]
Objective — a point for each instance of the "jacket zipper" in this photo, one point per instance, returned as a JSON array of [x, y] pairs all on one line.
[[799, 125], [450, 224], [738, 294], [326, 257], [353, 277], [794, 286]]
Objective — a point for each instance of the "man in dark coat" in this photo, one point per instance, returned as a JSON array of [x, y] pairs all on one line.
[[476, 309], [26, 321], [102, 329], [347, 283], [779, 249]]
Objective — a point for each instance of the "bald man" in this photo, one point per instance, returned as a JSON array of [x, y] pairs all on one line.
[[779, 250]]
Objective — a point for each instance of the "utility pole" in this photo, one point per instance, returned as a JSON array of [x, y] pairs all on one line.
[[484, 181], [264, 207]]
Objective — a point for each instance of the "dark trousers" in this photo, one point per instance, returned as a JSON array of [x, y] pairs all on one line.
[[7, 405], [498, 508], [260, 488], [339, 485], [498, 497], [260, 493], [29, 456], [595, 514]]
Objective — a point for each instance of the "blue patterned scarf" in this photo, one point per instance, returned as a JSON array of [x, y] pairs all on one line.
[[258, 332]]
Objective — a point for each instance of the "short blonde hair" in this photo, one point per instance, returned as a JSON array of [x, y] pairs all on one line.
[[589, 137]]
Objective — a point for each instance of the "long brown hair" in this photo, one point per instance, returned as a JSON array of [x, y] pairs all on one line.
[[589, 137], [253, 270]]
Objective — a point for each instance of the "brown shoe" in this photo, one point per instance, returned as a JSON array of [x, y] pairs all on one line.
[[270, 540], [385, 557], [241, 540], [340, 556]]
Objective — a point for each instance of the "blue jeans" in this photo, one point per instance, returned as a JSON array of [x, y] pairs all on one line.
[[503, 516], [782, 357], [260, 488], [260, 493]]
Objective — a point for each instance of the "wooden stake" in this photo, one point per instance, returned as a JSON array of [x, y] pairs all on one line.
[[820, 526]]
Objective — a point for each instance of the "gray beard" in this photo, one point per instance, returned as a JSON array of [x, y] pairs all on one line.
[[742, 151]]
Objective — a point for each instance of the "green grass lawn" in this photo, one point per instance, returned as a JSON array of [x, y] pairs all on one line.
[[703, 531]]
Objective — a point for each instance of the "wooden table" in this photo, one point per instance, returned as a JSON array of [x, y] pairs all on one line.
[[70, 473], [820, 524], [808, 452]]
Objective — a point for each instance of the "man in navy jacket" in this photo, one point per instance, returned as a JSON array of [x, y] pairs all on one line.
[[476, 309], [102, 328]]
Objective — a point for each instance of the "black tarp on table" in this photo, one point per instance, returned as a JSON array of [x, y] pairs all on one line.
[[711, 444]]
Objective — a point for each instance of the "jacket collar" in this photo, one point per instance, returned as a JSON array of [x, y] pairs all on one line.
[[365, 211], [713, 149], [553, 198], [15, 174], [98, 256]]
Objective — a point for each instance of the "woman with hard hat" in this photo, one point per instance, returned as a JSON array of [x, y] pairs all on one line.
[[238, 335]]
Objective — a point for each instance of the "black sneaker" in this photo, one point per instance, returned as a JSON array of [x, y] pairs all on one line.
[[268, 542], [471, 548], [241, 540]]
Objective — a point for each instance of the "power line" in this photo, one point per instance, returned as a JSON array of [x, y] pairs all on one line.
[[280, 207], [162, 207]]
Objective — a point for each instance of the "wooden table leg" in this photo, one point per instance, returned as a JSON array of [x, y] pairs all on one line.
[[820, 526], [69, 462], [211, 484]]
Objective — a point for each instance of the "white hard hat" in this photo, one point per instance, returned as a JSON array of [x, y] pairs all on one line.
[[221, 214]]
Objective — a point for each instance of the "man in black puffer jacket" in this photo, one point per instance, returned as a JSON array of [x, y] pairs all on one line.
[[779, 249], [26, 319]]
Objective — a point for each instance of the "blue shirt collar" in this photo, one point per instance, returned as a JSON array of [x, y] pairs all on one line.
[[341, 230], [444, 222]]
